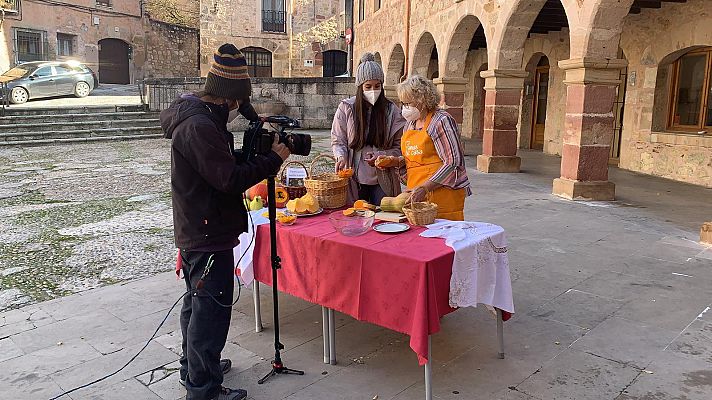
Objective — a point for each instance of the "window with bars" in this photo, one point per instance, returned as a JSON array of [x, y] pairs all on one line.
[[273, 16], [65, 44], [103, 3], [259, 62], [30, 45], [361, 10], [10, 6], [691, 95]]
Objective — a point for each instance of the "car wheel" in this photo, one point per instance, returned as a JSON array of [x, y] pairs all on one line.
[[19, 95], [82, 89]]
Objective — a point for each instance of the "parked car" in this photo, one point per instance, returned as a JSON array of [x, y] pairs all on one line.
[[34, 80]]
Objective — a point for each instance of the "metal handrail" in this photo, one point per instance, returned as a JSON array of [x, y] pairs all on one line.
[[5, 100]]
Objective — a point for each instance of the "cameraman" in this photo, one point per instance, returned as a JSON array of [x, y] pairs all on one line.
[[209, 214]]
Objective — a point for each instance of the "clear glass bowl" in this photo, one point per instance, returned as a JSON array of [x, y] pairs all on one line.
[[354, 225]]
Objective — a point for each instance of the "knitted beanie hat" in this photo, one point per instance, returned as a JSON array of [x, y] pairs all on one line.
[[368, 69], [228, 77]]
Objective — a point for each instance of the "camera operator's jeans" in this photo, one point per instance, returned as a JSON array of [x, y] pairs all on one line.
[[204, 323]]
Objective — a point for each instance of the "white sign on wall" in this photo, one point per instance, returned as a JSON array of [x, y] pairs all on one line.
[[96, 20], [308, 63]]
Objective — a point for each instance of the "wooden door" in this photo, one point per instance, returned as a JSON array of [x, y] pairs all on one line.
[[541, 93], [114, 61]]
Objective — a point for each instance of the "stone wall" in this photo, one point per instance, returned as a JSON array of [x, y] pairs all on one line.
[[317, 25], [651, 41], [172, 51], [150, 41], [312, 101]]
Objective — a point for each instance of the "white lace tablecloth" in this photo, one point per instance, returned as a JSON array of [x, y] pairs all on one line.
[[480, 270]]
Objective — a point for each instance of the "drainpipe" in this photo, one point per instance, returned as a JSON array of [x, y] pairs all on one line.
[[407, 40], [290, 33]]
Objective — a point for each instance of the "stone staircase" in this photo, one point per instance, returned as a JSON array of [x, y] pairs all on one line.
[[42, 126]]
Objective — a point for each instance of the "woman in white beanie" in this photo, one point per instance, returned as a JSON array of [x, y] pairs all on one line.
[[366, 126]]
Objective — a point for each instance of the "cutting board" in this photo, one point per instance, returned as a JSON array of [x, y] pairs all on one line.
[[391, 216]]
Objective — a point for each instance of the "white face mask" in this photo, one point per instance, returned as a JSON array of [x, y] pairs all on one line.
[[233, 114], [410, 113], [371, 95]]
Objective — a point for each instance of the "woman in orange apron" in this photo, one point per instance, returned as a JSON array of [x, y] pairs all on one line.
[[433, 161]]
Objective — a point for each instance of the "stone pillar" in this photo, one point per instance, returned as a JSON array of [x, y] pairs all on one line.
[[590, 96], [706, 233], [502, 99], [452, 96], [391, 93]]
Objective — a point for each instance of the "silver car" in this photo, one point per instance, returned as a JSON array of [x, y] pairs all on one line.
[[34, 80]]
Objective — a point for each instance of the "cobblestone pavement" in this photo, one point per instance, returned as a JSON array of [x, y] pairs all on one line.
[[76, 217]]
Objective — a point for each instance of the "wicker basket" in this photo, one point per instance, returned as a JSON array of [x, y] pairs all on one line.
[[421, 213], [294, 192], [329, 189]]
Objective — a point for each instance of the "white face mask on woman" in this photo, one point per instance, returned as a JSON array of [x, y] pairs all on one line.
[[410, 113], [371, 95]]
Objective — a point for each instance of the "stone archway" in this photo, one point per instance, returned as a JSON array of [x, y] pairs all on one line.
[[423, 55], [396, 65]]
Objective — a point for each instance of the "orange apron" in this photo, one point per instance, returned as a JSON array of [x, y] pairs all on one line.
[[422, 162]]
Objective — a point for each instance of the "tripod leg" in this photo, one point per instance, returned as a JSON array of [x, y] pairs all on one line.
[[429, 372], [258, 306], [325, 334], [289, 371], [500, 333], [332, 338], [271, 373]]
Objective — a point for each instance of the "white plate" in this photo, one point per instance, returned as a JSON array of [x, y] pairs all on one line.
[[391, 227], [319, 211]]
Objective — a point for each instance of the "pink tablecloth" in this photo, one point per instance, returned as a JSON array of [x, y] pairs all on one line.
[[400, 282]]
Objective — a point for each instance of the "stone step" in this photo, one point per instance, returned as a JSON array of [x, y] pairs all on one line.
[[66, 118], [44, 142], [22, 110], [86, 125], [12, 138]]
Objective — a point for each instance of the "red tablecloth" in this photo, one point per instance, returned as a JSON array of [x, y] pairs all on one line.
[[400, 282]]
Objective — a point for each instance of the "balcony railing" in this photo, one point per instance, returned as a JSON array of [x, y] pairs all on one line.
[[10, 6], [273, 21]]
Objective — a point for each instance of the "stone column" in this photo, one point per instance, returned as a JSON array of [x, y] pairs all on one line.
[[452, 96], [590, 96], [391, 93], [502, 99]]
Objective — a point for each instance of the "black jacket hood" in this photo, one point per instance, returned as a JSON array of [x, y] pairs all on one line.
[[186, 107]]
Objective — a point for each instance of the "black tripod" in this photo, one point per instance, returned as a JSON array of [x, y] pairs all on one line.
[[277, 365]]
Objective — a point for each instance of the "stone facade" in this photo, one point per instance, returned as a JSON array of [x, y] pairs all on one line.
[[151, 43], [316, 26], [599, 42], [312, 101]]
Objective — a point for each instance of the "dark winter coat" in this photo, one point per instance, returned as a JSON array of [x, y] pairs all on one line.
[[207, 184]]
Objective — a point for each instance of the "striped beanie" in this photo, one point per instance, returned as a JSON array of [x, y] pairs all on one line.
[[368, 69], [228, 77]]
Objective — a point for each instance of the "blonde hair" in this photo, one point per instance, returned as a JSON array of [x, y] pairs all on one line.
[[419, 91]]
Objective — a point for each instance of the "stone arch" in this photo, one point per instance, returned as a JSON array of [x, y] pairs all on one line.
[[454, 62], [515, 22], [396, 65], [377, 57], [422, 55], [602, 24]]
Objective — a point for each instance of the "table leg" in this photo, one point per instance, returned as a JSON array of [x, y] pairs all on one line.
[[332, 337], [258, 307], [500, 333], [325, 333], [429, 372]]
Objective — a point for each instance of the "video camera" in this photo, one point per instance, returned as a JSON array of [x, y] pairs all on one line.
[[258, 140]]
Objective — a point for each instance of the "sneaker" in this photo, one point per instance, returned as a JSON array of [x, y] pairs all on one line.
[[225, 365], [231, 394]]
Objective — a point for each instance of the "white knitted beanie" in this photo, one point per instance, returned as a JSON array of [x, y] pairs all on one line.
[[368, 69]]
